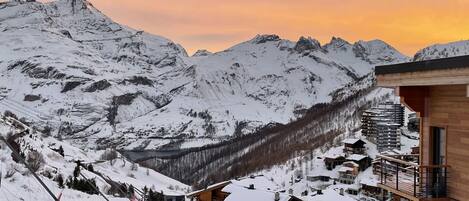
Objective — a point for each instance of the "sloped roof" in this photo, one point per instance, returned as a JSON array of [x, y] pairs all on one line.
[[353, 141], [356, 157]]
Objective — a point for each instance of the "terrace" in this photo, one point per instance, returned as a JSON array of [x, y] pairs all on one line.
[[412, 181]]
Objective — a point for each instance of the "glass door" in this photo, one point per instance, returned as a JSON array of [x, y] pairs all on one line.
[[437, 171]]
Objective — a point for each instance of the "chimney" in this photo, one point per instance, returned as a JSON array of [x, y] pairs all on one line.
[[341, 191], [277, 196], [290, 191], [251, 186]]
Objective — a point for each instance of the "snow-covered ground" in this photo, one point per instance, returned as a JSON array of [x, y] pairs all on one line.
[[284, 175], [21, 185]]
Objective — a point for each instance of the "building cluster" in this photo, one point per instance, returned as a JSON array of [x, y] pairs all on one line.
[[381, 125], [249, 188], [352, 161]]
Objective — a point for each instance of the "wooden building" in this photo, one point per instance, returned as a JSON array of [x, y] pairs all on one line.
[[211, 193], [438, 90], [348, 172], [363, 161], [354, 146], [334, 160]]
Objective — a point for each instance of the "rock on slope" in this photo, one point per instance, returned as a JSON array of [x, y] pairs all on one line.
[[97, 83]]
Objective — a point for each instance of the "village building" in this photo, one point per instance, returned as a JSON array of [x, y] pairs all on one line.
[[248, 188], [211, 193], [438, 91], [414, 123], [363, 161], [323, 178], [371, 190], [346, 175], [348, 172], [331, 161], [354, 146]]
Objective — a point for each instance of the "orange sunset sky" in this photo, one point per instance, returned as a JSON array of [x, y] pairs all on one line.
[[408, 25]]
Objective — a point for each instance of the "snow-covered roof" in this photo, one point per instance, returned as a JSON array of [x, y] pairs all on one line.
[[351, 140], [368, 178], [351, 162], [259, 182], [356, 157], [345, 169], [238, 193], [220, 184], [330, 194]]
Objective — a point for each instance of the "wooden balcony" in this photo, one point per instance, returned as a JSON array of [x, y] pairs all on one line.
[[409, 180]]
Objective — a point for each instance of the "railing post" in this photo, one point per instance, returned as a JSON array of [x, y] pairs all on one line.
[[397, 176], [415, 182], [381, 170]]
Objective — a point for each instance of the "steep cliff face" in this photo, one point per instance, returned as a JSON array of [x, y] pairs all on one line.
[[98, 83]]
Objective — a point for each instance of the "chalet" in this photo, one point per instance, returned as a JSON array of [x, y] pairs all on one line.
[[248, 188], [346, 175], [348, 172], [354, 146], [371, 190], [211, 193], [362, 160], [352, 190], [438, 91], [323, 178], [332, 161]]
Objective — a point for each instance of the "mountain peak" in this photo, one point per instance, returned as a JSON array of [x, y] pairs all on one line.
[[437, 51], [202, 52], [263, 38], [309, 43]]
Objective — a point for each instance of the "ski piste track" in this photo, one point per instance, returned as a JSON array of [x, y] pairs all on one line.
[[24, 111]]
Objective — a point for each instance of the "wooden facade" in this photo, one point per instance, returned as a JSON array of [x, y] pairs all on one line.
[[211, 193], [440, 98]]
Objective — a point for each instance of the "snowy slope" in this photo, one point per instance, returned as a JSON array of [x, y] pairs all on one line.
[[98, 84], [23, 186], [458, 48]]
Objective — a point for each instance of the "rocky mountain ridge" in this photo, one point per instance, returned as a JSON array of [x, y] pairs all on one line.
[[97, 83]]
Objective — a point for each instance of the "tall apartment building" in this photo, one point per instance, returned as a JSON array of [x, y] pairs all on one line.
[[381, 124]]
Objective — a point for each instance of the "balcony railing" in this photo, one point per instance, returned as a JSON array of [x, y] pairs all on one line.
[[412, 180]]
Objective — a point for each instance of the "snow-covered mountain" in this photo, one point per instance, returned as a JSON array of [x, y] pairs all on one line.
[[97, 83], [458, 48]]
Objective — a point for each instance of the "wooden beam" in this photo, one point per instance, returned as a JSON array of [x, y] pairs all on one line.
[[467, 90]]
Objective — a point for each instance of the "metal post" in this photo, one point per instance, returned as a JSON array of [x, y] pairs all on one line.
[[381, 167], [415, 182], [397, 176]]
